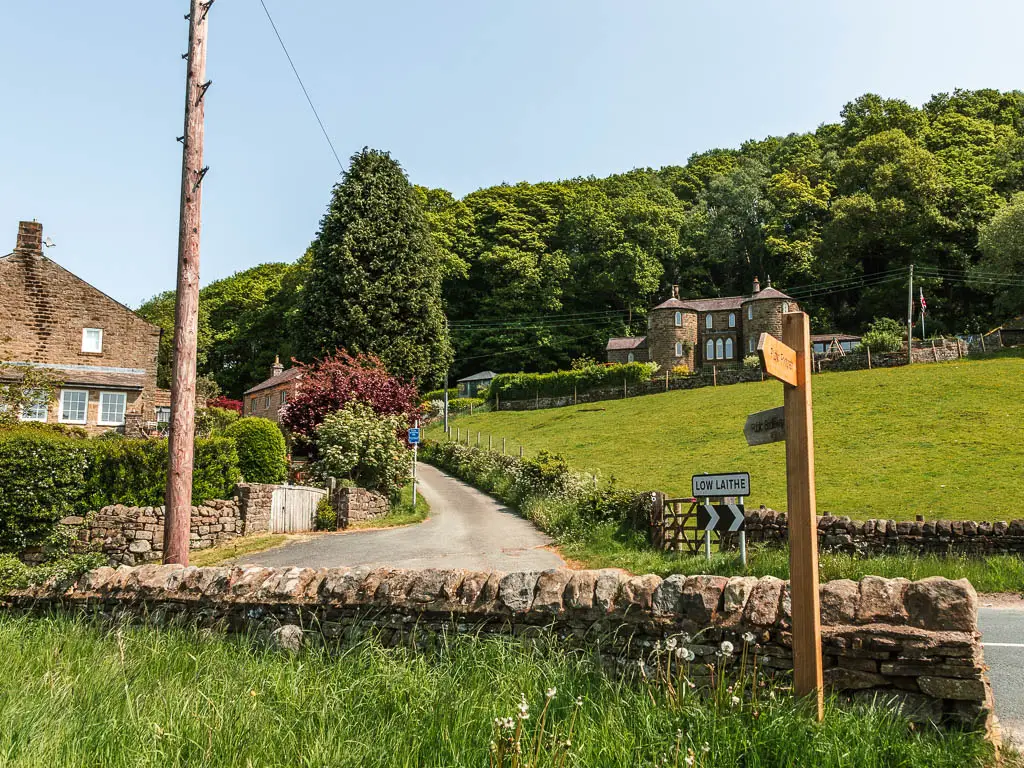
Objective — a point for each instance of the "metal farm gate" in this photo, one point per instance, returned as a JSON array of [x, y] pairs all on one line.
[[293, 508]]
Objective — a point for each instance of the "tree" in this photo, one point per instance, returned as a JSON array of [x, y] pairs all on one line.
[[328, 385], [1001, 242], [374, 280], [362, 446]]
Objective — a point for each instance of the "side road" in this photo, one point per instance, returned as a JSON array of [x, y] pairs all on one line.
[[466, 529]]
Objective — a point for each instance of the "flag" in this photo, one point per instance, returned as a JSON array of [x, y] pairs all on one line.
[[924, 306]]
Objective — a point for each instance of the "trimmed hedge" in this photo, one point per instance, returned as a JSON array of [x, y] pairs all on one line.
[[262, 454], [523, 386], [44, 477], [438, 394]]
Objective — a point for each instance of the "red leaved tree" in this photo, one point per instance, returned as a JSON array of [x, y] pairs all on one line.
[[328, 384], [223, 401]]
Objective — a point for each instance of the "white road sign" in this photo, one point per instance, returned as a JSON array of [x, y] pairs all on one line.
[[717, 486]]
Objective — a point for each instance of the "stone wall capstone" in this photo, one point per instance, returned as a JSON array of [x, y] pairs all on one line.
[[914, 645]]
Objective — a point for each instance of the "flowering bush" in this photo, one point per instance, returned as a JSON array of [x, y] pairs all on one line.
[[751, 361], [359, 445], [225, 402], [330, 384]]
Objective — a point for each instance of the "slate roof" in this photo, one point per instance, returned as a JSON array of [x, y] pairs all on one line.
[[703, 305], [626, 342], [94, 379], [482, 376], [273, 381], [768, 293]]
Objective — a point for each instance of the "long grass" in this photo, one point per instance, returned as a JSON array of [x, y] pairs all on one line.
[[403, 513], [74, 693], [606, 546], [939, 440]]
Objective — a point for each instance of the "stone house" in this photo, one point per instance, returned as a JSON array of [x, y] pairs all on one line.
[[104, 354], [268, 397], [700, 333]]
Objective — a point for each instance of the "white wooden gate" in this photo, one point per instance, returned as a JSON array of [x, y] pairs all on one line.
[[293, 508]]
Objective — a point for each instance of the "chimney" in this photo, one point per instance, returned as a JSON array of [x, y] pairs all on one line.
[[769, 281], [757, 285], [30, 237], [675, 291], [276, 369]]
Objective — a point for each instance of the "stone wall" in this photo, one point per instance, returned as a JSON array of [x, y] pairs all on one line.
[[873, 537], [353, 504], [255, 500], [912, 644], [942, 351]]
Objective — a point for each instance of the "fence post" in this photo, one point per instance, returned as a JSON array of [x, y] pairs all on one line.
[[537, 401], [983, 343], [497, 400], [503, 446], [478, 438], [657, 522], [489, 442], [714, 375], [666, 379], [935, 352], [520, 451], [869, 357], [623, 386], [458, 434], [999, 335], [574, 400], [470, 409]]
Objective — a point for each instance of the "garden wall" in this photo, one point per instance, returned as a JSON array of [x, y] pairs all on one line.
[[914, 645], [875, 537], [357, 504], [135, 535]]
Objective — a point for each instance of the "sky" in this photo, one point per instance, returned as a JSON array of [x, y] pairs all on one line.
[[464, 93]]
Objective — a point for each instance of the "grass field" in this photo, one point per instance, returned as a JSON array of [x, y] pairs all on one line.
[[74, 693], [939, 440]]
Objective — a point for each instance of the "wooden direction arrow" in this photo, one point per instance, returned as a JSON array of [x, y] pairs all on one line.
[[766, 427], [778, 359]]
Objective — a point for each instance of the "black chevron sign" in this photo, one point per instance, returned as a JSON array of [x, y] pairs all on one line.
[[720, 517]]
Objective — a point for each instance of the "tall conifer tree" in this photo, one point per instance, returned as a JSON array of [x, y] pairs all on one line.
[[374, 282]]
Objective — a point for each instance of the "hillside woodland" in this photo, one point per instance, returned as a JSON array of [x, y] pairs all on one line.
[[534, 275]]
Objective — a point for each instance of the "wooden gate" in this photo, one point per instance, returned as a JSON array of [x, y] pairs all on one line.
[[674, 525], [293, 508]]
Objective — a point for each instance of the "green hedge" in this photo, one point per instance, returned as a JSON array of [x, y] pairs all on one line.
[[438, 394], [262, 454], [523, 386], [44, 477]]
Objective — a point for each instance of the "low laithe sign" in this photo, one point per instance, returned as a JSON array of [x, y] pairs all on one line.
[[717, 486]]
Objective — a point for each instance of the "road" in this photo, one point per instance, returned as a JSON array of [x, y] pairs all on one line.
[[466, 529], [1002, 629]]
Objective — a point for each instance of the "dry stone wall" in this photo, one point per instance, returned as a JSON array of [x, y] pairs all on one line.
[[353, 504], [875, 537], [914, 645]]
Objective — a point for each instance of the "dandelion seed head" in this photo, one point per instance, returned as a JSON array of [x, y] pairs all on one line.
[[550, 692], [748, 637], [726, 648]]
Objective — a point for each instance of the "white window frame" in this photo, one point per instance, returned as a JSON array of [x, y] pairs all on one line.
[[732, 319], [283, 397], [630, 358], [679, 319], [728, 349], [709, 350], [156, 413], [679, 349], [785, 307], [266, 402], [750, 311], [38, 402], [99, 414], [85, 335], [60, 407], [709, 322], [720, 350], [751, 345]]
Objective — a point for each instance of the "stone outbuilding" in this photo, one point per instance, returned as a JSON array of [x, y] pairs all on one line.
[[700, 333]]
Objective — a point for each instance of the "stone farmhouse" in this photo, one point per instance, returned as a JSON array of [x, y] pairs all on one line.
[[104, 354], [701, 333], [268, 397]]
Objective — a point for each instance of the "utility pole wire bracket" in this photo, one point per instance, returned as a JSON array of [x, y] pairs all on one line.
[[206, 9], [202, 91], [200, 174]]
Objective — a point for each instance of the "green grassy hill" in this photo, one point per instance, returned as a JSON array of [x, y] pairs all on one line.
[[940, 440]]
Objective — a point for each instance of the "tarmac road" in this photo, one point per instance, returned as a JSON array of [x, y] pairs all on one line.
[[466, 529], [1002, 630]]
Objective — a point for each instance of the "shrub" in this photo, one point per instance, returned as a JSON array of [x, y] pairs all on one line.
[[438, 394], [262, 454], [460, 404], [752, 361], [681, 370], [226, 403], [213, 421], [46, 476], [884, 335], [522, 386], [362, 446], [326, 515], [329, 384]]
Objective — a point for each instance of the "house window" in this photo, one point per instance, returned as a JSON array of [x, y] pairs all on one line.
[[92, 339], [112, 405], [284, 394], [679, 349], [732, 319], [252, 405], [709, 350], [751, 345], [708, 322], [650, 322], [73, 403], [630, 358], [785, 307], [750, 311], [720, 349], [679, 319], [728, 349], [266, 402], [36, 407], [163, 415]]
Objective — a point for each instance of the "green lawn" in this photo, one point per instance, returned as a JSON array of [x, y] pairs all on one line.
[[940, 440], [76, 693]]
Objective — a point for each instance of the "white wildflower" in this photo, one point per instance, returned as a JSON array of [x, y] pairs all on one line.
[[735, 700], [579, 701], [748, 637], [671, 643], [705, 748], [726, 648], [550, 692]]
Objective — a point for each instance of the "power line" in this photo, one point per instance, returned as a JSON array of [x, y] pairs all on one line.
[[866, 283], [509, 350], [538, 318], [302, 86]]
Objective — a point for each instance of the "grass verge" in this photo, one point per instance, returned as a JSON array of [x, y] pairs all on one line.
[[402, 513], [75, 693], [606, 546], [243, 545]]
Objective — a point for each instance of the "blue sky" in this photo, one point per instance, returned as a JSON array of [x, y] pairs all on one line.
[[464, 94]]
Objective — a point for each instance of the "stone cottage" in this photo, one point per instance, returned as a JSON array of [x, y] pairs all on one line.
[[267, 398], [700, 333], [104, 354]]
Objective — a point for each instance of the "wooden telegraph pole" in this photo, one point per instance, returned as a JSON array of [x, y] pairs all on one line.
[[177, 522]]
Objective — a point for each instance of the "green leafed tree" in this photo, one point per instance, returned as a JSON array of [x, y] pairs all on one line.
[[1001, 241], [373, 283]]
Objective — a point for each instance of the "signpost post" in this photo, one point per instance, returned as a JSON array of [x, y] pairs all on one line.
[[790, 362], [414, 438]]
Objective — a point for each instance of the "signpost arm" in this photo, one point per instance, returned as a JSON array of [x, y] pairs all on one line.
[[803, 521]]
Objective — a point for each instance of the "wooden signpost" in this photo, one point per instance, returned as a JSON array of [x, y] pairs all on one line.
[[789, 361]]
